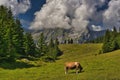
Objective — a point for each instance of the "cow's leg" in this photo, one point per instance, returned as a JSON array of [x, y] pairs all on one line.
[[80, 68], [77, 69], [66, 70]]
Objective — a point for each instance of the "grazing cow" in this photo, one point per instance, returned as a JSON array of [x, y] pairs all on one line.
[[73, 65]]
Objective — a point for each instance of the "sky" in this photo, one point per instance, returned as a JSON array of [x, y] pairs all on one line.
[[28, 16], [68, 14]]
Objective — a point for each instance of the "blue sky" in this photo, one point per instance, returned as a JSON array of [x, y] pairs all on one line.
[[35, 6], [29, 15]]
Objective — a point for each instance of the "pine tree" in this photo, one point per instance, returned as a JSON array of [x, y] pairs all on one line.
[[51, 43], [56, 41], [71, 41], [2, 48], [12, 37], [58, 52], [114, 29], [53, 51], [9, 29], [29, 45], [68, 41], [3, 12], [65, 41], [117, 42], [109, 43], [42, 47], [19, 37], [115, 35]]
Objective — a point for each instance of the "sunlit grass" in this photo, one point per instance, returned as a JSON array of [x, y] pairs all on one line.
[[95, 66]]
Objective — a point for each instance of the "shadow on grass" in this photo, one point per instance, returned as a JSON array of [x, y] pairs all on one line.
[[16, 65], [73, 72]]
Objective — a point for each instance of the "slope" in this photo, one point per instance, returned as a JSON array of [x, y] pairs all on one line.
[[96, 67]]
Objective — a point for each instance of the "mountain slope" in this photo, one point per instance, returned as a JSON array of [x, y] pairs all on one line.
[[95, 67], [65, 34]]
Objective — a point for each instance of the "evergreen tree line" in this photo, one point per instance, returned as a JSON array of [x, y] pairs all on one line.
[[97, 40], [15, 43], [111, 41], [48, 50], [69, 41]]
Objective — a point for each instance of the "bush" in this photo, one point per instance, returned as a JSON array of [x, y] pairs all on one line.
[[47, 59]]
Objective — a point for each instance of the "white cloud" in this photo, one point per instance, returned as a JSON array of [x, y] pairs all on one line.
[[96, 28], [2, 2], [112, 14], [17, 7], [75, 14]]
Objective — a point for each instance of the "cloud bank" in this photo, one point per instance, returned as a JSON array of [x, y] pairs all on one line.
[[17, 6], [112, 14], [78, 15]]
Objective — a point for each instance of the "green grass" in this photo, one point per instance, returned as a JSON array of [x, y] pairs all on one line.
[[96, 67]]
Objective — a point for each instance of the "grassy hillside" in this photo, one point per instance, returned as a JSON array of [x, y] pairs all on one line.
[[96, 67]]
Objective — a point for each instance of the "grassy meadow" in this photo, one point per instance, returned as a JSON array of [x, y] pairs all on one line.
[[95, 66]]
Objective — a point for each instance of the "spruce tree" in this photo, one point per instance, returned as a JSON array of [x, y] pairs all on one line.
[[11, 36], [54, 51], [65, 41], [2, 48], [58, 52], [42, 47], [109, 43], [3, 12], [117, 42], [19, 37], [29, 45], [71, 41], [51, 43], [56, 41], [51, 50]]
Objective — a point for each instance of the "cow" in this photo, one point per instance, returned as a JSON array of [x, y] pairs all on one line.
[[73, 65]]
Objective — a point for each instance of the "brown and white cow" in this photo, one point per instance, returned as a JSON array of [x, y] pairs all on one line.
[[73, 65]]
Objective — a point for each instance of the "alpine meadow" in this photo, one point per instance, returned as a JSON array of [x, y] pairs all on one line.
[[60, 40]]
